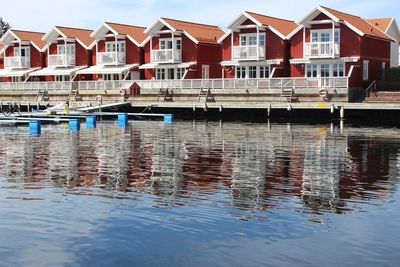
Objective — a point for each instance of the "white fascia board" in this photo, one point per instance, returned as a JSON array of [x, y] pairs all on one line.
[[247, 15], [290, 35], [220, 40], [277, 32], [145, 41], [321, 10], [133, 40], [194, 40], [230, 25]]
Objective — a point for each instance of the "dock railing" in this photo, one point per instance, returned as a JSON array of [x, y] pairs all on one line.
[[195, 84]]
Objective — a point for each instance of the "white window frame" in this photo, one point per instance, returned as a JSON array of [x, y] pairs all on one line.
[[70, 49], [317, 69], [165, 40], [205, 71], [27, 49], [245, 71], [365, 70], [247, 35], [120, 44], [320, 31]]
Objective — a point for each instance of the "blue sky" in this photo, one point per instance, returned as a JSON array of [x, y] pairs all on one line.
[[41, 15]]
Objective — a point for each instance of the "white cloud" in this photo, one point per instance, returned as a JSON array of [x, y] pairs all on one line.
[[41, 15]]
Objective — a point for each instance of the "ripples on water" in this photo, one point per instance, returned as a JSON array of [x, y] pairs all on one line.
[[200, 194]]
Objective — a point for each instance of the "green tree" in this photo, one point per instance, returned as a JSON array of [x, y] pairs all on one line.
[[4, 26]]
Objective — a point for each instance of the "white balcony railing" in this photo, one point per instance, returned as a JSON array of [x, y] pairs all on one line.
[[273, 83], [17, 62], [111, 58], [104, 85], [61, 60], [166, 56], [248, 52], [321, 49], [37, 86]]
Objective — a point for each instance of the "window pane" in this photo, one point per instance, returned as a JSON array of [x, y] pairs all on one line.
[[243, 40], [262, 39], [314, 37]]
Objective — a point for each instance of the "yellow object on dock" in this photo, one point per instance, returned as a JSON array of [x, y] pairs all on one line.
[[66, 109]]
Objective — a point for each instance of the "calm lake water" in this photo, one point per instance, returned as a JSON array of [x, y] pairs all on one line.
[[200, 194]]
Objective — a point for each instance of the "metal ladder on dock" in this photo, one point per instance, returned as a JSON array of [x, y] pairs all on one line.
[[164, 95], [204, 95], [287, 95], [42, 95], [73, 94]]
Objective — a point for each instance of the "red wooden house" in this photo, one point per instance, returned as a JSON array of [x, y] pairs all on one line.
[[23, 54], [330, 43], [67, 51], [256, 47], [117, 52], [182, 50]]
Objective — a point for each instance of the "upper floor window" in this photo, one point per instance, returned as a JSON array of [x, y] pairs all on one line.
[[325, 36], [251, 39], [115, 47], [166, 44], [22, 51], [68, 49]]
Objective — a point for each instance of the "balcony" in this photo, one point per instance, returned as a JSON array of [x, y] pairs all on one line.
[[166, 56], [111, 58], [61, 60], [321, 50], [248, 52], [17, 62]]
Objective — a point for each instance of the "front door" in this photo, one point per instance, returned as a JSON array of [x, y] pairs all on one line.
[[205, 72]]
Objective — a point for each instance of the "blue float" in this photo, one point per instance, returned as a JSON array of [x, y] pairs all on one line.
[[74, 125], [35, 127], [122, 120], [168, 118], [91, 122]]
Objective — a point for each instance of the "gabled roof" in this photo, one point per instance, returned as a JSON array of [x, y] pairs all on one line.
[[35, 38], [134, 33], [382, 24], [280, 27], [385, 24], [359, 25], [198, 33], [81, 35]]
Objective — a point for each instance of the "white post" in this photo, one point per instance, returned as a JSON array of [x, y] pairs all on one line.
[[232, 40], [333, 39], [173, 46], [304, 41], [151, 48], [258, 43], [97, 51], [65, 52], [20, 56], [116, 49]]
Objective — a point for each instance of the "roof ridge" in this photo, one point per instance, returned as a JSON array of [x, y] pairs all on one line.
[[122, 24], [341, 12], [191, 22], [16, 30], [288, 20], [73, 28]]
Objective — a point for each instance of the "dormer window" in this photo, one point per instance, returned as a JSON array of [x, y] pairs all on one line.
[[251, 39], [68, 49]]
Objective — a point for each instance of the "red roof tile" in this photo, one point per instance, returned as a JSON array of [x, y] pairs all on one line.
[[82, 35], [359, 23], [381, 24], [201, 32], [35, 37], [135, 32], [281, 25]]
